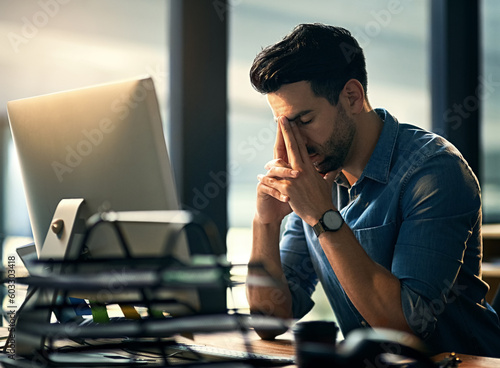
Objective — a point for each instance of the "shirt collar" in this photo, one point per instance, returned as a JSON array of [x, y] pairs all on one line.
[[342, 180], [379, 165]]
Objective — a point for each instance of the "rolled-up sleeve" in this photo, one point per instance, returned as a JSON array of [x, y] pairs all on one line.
[[441, 205], [297, 266]]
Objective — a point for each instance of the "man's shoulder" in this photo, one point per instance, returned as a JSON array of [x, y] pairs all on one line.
[[403, 146], [424, 157], [420, 152], [418, 144]]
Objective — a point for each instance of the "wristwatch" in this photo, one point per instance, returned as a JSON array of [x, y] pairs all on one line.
[[330, 221]]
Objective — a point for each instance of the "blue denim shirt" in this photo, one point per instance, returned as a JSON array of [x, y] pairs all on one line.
[[416, 210]]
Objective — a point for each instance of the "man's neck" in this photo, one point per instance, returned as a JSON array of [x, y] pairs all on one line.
[[369, 126]]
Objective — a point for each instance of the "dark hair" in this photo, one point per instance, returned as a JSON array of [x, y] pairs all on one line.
[[326, 56]]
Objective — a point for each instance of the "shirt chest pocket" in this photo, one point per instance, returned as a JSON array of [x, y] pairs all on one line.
[[378, 242]]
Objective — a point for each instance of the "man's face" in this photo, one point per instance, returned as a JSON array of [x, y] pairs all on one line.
[[326, 129]]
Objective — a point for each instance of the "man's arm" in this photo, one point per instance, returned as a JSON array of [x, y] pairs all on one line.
[[276, 300], [373, 290], [273, 300]]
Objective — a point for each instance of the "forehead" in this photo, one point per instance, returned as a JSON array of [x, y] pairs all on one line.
[[293, 99]]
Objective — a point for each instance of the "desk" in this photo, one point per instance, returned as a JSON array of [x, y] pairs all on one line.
[[283, 346], [470, 361], [491, 257]]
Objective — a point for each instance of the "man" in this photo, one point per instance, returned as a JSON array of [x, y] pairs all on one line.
[[404, 252]]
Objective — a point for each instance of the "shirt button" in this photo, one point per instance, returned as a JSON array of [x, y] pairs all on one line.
[[363, 323]]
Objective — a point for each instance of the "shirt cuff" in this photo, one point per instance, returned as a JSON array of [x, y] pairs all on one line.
[[419, 313], [301, 298]]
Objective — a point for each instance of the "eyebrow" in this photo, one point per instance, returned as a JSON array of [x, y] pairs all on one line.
[[300, 114]]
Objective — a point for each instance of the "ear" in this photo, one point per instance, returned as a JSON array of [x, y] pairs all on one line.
[[354, 94]]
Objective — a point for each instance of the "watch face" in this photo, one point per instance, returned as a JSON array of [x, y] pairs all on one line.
[[332, 220]]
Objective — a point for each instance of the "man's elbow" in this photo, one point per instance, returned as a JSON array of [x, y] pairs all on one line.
[[273, 324], [270, 334]]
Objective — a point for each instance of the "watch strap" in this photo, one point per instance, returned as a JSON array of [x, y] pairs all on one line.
[[321, 227], [318, 228]]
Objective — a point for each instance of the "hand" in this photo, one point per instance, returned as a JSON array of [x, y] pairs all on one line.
[[292, 178], [272, 206]]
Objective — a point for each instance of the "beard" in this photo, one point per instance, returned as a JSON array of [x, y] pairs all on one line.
[[338, 145]]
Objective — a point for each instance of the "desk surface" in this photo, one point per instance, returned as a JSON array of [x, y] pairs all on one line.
[[470, 361], [283, 346]]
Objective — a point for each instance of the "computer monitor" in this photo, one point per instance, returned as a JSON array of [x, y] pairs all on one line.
[[104, 144]]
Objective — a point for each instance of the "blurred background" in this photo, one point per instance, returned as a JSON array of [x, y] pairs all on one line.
[[53, 45]]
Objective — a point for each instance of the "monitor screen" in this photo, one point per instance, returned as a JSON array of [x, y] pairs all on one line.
[[104, 144]]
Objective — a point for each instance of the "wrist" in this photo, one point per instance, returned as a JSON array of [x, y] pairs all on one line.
[[330, 221], [265, 244], [313, 219], [259, 221]]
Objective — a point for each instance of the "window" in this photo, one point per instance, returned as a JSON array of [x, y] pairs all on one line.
[[490, 84], [51, 46]]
